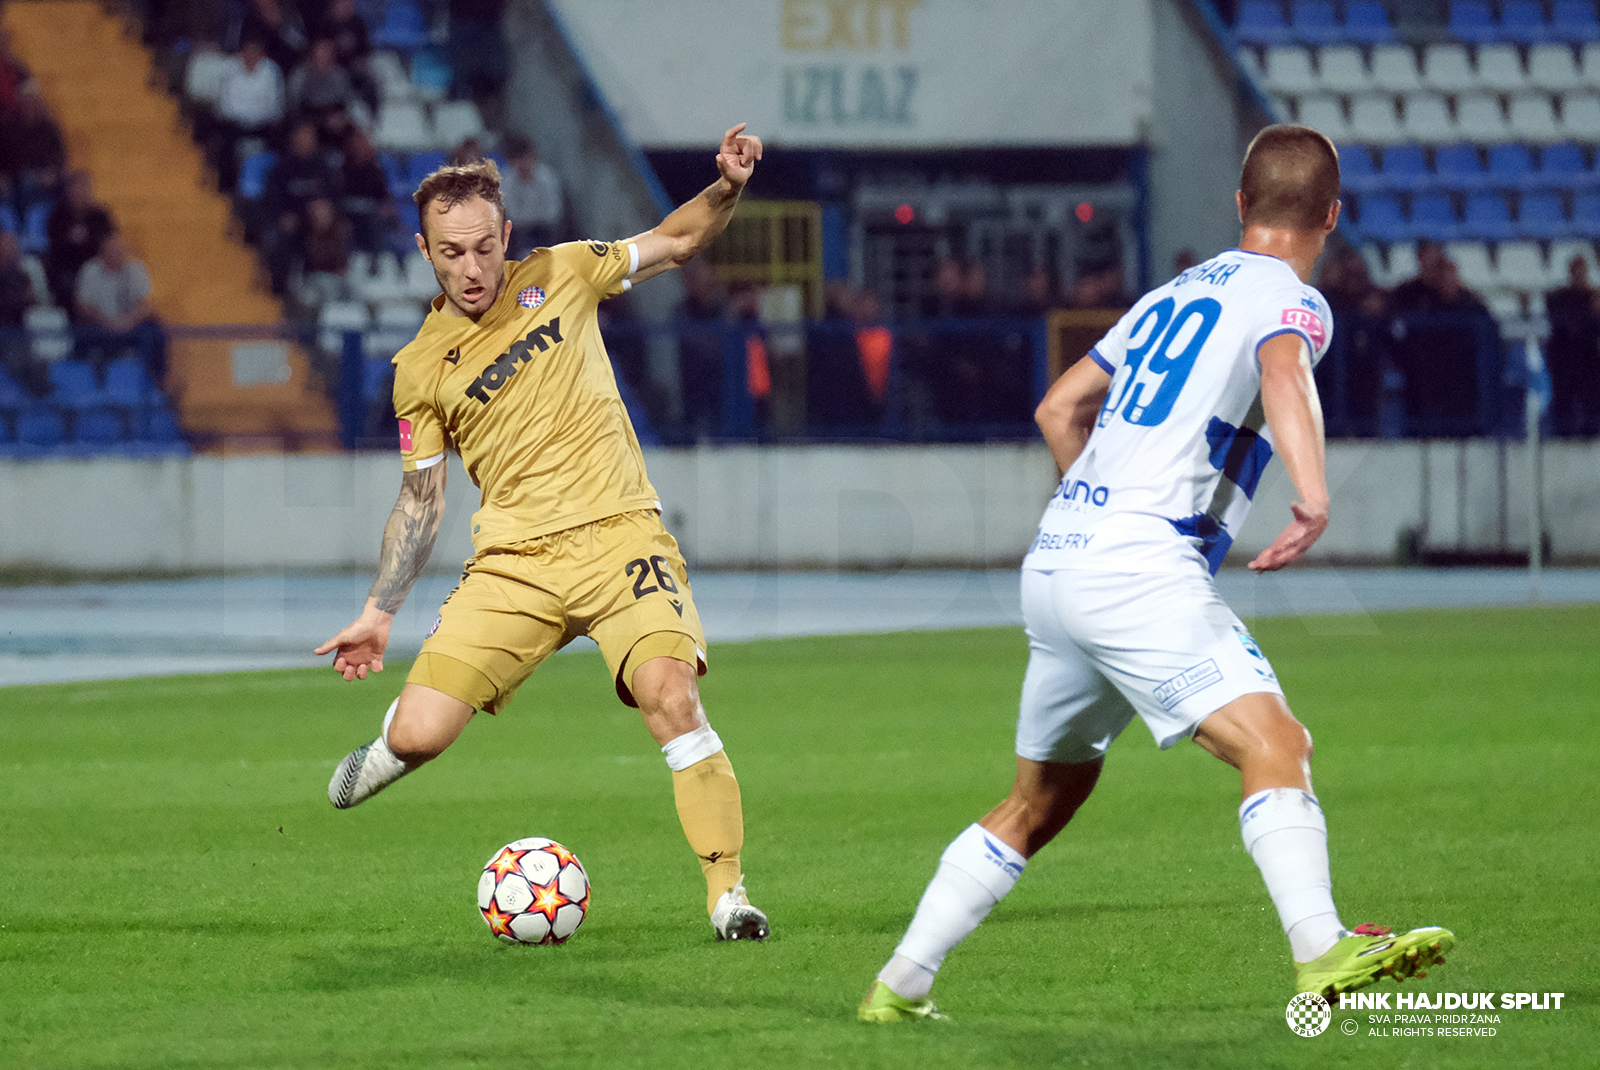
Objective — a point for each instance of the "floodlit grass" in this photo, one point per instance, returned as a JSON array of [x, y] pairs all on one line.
[[176, 892]]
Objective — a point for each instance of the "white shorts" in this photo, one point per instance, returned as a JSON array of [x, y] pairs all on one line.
[[1107, 645]]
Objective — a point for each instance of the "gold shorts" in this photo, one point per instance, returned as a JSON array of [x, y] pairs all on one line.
[[620, 581]]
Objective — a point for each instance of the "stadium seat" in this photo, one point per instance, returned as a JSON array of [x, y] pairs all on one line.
[[1356, 169], [1500, 69], [1523, 21], [40, 429], [389, 72], [1561, 256], [34, 234], [383, 283], [1553, 68], [1250, 60], [1471, 20], [1402, 262], [1533, 117], [1520, 265], [127, 383], [1343, 70], [1562, 166], [1381, 218], [1367, 22], [1510, 166], [375, 373], [1589, 64], [1427, 119], [1580, 116], [403, 315], [73, 385], [1324, 115], [1261, 22], [1503, 304], [1433, 216], [1394, 69], [337, 317], [1574, 20], [1446, 68], [394, 173], [1488, 218], [1471, 259], [1479, 117], [402, 28], [423, 164], [1289, 70], [99, 427], [1373, 118], [403, 127], [420, 282], [1586, 215], [456, 120], [253, 171], [1314, 22], [1405, 167], [1458, 167], [1543, 217]]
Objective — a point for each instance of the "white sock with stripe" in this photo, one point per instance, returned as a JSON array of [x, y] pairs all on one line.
[[1287, 836]]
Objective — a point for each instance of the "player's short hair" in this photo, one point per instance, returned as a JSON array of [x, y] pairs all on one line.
[[457, 182], [1290, 178]]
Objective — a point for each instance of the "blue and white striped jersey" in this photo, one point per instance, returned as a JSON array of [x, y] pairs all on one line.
[[1180, 444]]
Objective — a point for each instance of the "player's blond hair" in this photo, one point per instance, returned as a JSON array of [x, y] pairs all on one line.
[[457, 182], [1290, 178]]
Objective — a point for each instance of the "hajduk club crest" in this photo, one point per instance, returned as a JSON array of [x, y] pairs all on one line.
[[532, 297]]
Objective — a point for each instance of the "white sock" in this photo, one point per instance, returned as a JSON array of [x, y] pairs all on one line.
[[388, 719], [1286, 834], [975, 872], [693, 746]]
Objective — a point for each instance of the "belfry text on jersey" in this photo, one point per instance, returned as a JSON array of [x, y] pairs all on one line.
[[505, 365]]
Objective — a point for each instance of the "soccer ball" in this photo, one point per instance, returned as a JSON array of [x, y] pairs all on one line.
[[533, 891]]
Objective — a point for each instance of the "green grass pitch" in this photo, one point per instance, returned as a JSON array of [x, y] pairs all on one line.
[[175, 890]]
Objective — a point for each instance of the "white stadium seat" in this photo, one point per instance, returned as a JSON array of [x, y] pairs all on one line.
[[1342, 70], [1521, 265], [1402, 262], [1394, 69], [337, 317], [1289, 70], [389, 71], [1251, 62], [50, 333], [383, 283], [1589, 65], [1446, 68], [1500, 69], [399, 315], [1472, 262], [456, 120], [1533, 118], [1503, 304], [420, 282], [1427, 119], [1580, 116], [403, 126], [1324, 115], [1373, 118], [1479, 118], [1553, 68], [1561, 254]]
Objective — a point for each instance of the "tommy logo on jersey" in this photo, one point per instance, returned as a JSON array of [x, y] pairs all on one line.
[[532, 297], [503, 367], [1307, 321]]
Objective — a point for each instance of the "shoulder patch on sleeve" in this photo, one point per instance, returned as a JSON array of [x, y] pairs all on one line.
[[1307, 320]]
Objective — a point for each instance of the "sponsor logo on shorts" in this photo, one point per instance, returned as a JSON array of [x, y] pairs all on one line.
[[1249, 643], [1191, 680]]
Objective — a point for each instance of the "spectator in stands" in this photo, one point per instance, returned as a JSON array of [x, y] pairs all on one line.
[[1183, 260], [1038, 293], [114, 307], [1363, 343], [1573, 353], [322, 93], [250, 105], [534, 201], [366, 202], [342, 24], [76, 229], [324, 254], [31, 154], [16, 297], [479, 58], [1099, 285], [702, 327], [1439, 360], [278, 26], [302, 175]]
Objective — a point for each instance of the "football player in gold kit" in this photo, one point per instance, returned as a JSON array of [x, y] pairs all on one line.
[[509, 370]]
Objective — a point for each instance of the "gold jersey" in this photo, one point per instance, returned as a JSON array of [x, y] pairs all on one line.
[[527, 397]]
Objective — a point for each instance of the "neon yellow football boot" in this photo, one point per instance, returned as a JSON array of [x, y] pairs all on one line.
[[882, 1005], [1371, 952]]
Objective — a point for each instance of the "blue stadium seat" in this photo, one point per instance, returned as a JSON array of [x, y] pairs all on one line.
[[73, 385], [1261, 23], [8, 217], [99, 427], [1366, 22], [1458, 167], [1356, 170], [1381, 218], [1562, 166], [1543, 217], [431, 73], [1405, 167], [1314, 22], [127, 383], [374, 377], [34, 237], [402, 28], [1433, 216], [1510, 166], [253, 171], [1522, 21], [1585, 220], [161, 426], [421, 165], [11, 395], [1471, 20], [40, 429], [400, 184], [1488, 218], [1574, 20]]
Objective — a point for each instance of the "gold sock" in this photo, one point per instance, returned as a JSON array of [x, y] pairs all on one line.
[[707, 794]]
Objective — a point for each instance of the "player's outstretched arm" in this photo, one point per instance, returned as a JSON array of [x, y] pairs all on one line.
[[1067, 414], [1294, 413], [408, 540], [692, 226]]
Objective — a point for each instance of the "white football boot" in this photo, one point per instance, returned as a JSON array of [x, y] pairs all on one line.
[[735, 919], [367, 770]]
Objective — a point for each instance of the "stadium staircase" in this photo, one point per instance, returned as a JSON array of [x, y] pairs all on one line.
[[100, 83]]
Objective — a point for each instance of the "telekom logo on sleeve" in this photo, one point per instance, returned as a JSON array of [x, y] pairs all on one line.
[[405, 434], [1307, 321]]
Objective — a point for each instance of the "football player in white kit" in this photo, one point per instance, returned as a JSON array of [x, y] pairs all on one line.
[[1163, 431]]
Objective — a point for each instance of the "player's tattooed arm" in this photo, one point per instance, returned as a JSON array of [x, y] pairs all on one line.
[[692, 226], [408, 537]]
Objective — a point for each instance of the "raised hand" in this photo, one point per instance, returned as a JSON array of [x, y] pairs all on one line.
[[737, 156], [1307, 526], [360, 646]]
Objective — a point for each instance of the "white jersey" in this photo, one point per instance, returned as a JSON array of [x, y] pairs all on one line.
[[1180, 444]]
